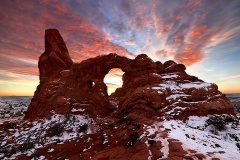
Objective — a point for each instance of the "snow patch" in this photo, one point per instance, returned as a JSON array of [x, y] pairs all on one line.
[[202, 140]]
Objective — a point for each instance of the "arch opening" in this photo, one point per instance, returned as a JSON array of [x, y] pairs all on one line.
[[113, 80]]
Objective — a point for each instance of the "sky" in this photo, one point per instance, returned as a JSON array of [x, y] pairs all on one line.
[[204, 35]]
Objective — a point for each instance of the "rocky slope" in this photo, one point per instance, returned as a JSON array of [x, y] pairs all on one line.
[[160, 112]]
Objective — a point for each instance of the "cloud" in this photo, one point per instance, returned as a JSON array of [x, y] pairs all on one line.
[[188, 56], [161, 53], [22, 34], [100, 27], [229, 77], [179, 30], [209, 70], [190, 28], [19, 66], [12, 78]]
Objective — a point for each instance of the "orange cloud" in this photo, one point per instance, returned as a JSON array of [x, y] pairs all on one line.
[[178, 17], [178, 30], [189, 56], [19, 42], [161, 53], [199, 31]]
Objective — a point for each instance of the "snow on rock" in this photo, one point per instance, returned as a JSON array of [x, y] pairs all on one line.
[[78, 110], [202, 140], [13, 107], [156, 129], [176, 110], [173, 85], [166, 76], [196, 85], [196, 138], [57, 128], [176, 96]]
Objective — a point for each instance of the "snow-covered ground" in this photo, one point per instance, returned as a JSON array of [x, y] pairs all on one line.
[[27, 136], [235, 100], [195, 134], [13, 106]]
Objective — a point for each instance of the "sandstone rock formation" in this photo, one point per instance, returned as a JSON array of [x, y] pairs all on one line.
[[147, 118], [150, 89]]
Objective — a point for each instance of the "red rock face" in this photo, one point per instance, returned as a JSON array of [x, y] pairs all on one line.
[[150, 89], [55, 58]]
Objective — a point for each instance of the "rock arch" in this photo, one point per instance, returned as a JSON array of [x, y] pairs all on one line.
[[65, 85]]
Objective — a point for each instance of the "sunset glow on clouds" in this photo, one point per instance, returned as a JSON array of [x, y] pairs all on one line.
[[204, 35]]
